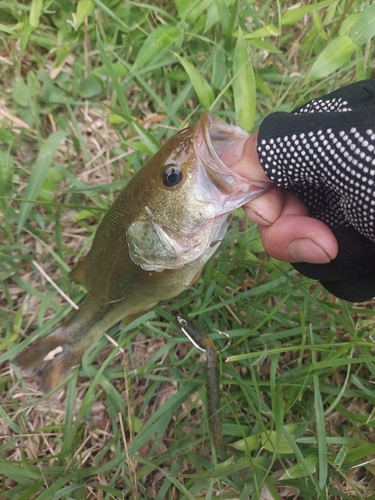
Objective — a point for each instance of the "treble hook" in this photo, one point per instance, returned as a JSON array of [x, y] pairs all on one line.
[[196, 336]]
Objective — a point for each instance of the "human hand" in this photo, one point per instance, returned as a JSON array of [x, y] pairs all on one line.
[[288, 232], [323, 156]]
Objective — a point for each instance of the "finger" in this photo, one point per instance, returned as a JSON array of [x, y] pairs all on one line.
[[243, 159], [266, 208], [233, 154], [287, 231], [249, 166], [299, 238]]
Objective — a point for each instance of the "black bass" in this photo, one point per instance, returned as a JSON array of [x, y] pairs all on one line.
[[152, 243]]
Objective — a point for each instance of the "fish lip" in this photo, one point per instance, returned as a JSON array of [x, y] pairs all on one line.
[[212, 137], [218, 182], [212, 126]]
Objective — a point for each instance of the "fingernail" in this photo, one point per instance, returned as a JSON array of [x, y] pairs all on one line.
[[306, 250]]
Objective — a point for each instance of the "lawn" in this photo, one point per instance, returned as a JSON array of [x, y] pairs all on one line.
[[90, 89]]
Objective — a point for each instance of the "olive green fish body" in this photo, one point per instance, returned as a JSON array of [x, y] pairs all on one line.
[[118, 290], [151, 244]]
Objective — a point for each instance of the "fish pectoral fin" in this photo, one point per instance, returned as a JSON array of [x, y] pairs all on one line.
[[50, 360], [79, 273]]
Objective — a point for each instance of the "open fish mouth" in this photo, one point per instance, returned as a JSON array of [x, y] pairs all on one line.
[[219, 136], [213, 138]]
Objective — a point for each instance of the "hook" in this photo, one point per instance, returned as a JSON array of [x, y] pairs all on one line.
[[193, 334]]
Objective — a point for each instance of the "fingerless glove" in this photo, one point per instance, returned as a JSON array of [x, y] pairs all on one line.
[[324, 153]]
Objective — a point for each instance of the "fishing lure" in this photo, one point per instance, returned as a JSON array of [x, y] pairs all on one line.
[[203, 342]]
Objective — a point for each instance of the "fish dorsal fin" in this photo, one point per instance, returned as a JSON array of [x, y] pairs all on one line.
[[79, 274]]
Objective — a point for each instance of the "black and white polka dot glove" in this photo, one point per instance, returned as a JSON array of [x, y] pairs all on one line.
[[324, 153]]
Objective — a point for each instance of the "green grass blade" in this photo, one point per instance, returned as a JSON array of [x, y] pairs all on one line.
[[302, 470], [337, 53], [17, 473], [35, 12], [243, 85], [190, 11], [84, 9], [42, 164], [361, 453], [320, 428], [364, 28], [321, 435], [266, 31], [157, 44], [293, 15], [164, 412], [100, 5], [201, 86]]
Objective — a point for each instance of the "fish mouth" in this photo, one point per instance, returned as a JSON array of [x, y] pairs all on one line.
[[213, 137]]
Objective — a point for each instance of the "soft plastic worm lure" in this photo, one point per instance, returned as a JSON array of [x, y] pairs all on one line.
[[202, 342]]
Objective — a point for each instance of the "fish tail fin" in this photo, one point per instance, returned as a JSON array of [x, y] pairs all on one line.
[[50, 359]]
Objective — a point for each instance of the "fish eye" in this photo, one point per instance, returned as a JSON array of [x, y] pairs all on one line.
[[172, 176]]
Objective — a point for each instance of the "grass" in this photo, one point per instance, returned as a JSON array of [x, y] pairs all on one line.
[[88, 92]]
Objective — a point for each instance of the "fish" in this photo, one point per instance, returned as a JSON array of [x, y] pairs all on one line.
[[151, 244]]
